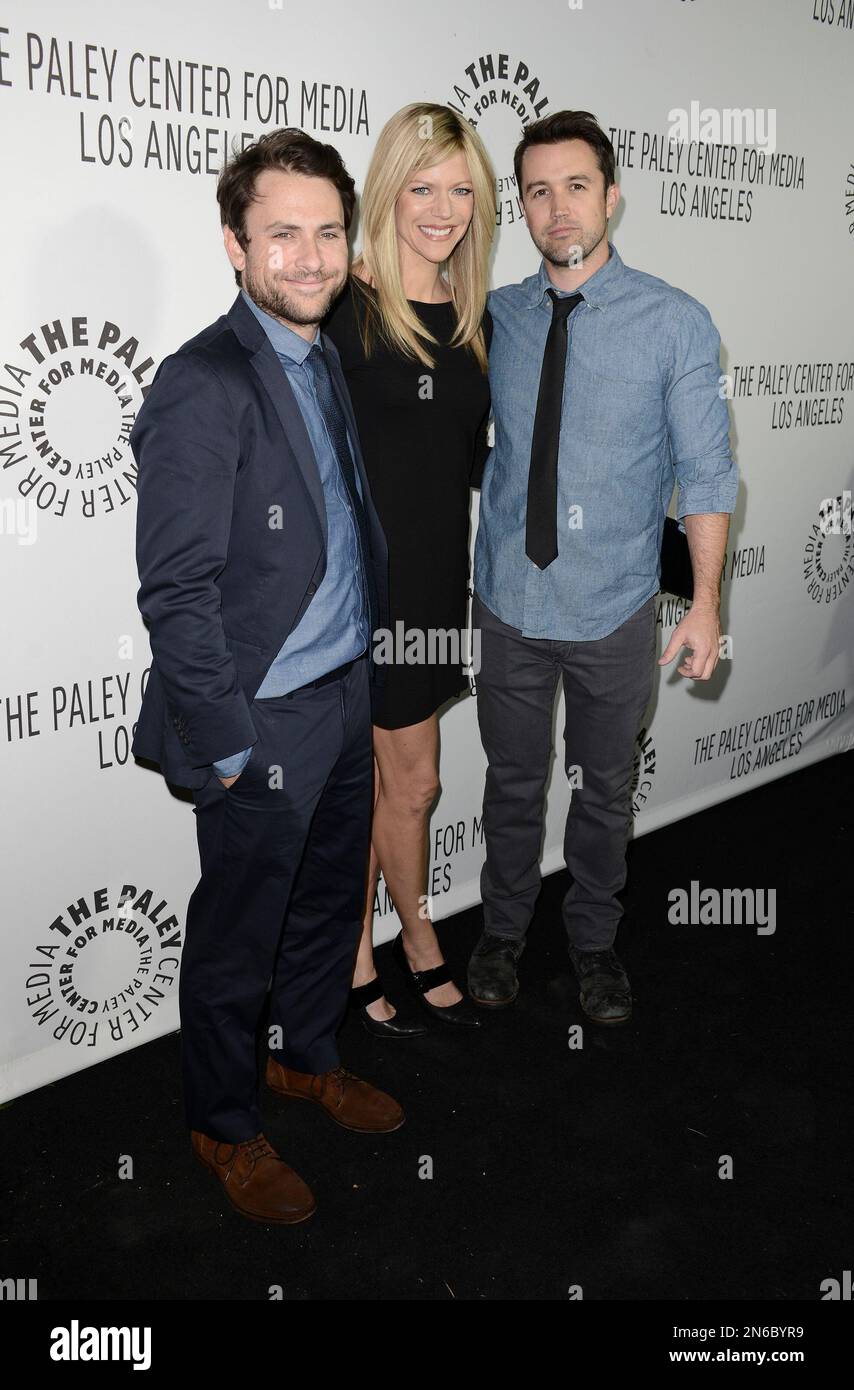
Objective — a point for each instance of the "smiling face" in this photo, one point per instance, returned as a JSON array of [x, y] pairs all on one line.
[[565, 202], [296, 260], [433, 211]]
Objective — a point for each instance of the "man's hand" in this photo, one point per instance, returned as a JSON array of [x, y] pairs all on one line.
[[231, 778], [700, 630]]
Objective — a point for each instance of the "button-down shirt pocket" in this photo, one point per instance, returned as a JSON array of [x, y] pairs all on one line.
[[613, 410]]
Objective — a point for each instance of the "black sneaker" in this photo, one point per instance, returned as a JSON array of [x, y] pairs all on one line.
[[606, 994], [492, 970]]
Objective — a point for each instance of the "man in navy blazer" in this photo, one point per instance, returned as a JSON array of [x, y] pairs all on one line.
[[263, 575]]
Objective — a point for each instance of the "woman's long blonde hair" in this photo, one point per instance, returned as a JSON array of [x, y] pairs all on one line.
[[417, 137]]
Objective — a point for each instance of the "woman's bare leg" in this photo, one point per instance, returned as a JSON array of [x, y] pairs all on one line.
[[408, 762], [365, 969]]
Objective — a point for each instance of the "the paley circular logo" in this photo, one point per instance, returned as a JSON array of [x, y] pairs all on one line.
[[499, 94], [643, 771], [829, 551], [70, 390], [102, 968]]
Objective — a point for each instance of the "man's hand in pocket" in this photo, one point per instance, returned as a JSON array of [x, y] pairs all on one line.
[[242, 758]]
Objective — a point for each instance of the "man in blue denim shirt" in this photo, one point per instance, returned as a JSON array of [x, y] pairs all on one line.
[[636, 406]]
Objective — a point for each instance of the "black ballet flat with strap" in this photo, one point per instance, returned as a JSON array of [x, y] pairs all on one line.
[[361, 995], [420, 981]]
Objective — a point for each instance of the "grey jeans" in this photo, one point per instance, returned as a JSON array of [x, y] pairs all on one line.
[[607, 685]]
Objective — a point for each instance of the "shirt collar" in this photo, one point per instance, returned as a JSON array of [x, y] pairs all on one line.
[[598, 290], [284, 339]]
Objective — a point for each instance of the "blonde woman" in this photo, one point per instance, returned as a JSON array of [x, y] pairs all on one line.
[[413, 333]]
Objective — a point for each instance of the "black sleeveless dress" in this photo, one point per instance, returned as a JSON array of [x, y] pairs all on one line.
[[423, 437]]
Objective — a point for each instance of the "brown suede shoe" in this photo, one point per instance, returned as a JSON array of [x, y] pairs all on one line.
[[350, 1102], [257, 1182]]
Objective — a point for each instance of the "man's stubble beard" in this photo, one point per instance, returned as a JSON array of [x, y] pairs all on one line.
[[586, 243], [276, 302]]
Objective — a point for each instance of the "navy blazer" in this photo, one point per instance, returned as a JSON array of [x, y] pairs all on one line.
[[230, 538]]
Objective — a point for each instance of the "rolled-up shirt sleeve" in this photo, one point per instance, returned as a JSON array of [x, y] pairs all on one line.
[[698, 417]]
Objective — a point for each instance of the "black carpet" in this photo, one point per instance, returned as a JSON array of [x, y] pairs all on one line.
[[552, 1167]]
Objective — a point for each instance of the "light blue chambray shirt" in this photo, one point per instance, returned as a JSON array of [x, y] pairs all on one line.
[[334, 627], [641, 409]]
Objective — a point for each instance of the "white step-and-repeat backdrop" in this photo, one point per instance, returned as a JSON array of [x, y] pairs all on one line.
[[116, 119]]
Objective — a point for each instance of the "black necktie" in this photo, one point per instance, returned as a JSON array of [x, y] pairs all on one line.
[[541, 521], [330, 407]]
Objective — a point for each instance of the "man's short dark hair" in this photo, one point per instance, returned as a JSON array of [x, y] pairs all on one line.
[[294, 152], [568, 125]]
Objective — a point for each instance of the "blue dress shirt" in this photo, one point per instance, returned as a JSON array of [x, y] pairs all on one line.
[[334, 627], [642, 408]]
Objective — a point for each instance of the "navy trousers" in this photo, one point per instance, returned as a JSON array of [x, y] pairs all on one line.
[[284, 855]]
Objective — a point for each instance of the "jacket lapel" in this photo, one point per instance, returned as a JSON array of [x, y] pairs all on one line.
[[267, 367]]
